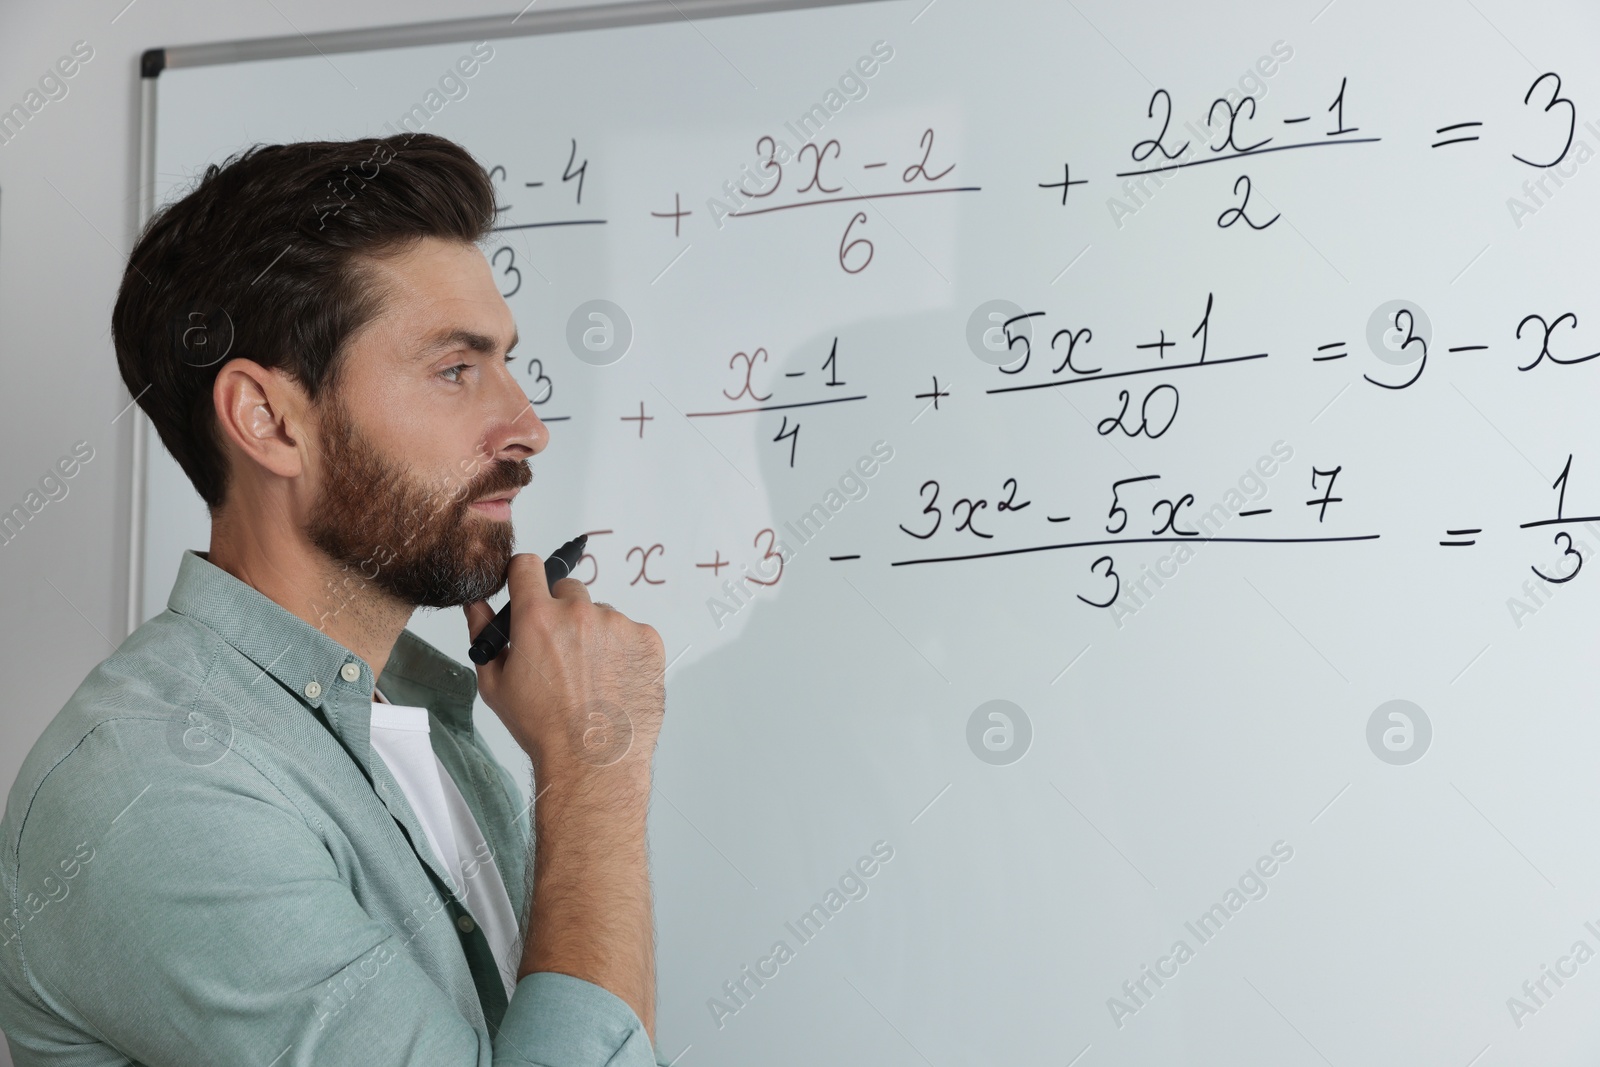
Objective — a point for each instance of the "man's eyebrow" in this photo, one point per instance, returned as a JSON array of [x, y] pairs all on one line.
[[463, 338]]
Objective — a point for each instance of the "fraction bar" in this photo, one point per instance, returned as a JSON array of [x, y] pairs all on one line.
[[1125, 373], [863, 196], [1252, 152], [773, 407], [1559, 522], [1135, 541]]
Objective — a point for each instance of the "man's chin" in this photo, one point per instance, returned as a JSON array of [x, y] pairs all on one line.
[[468, 589], [487, 571]]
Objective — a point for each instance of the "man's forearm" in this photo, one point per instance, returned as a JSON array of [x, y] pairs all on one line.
[[591, 913]]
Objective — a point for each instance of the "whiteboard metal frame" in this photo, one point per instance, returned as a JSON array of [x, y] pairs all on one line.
[[141, 423], [558, 20]]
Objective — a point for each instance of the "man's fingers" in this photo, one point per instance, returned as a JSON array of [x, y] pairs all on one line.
[[479, 613], [571, 589], [525, 577]]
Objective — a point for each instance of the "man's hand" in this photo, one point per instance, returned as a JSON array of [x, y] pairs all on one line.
[[580, 689], [580, 685]]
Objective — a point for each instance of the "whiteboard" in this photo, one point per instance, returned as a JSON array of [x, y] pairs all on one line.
[[1331, 733]]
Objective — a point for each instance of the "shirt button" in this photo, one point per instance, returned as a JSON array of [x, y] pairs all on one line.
[[313, 690], [350, 672], [466, 924]]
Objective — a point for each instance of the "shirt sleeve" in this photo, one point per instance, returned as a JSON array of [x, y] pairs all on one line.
[[206, 922]]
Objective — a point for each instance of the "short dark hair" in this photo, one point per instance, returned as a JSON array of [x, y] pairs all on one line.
[[264, 259]]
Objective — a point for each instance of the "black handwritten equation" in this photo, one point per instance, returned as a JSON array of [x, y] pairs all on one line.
[[1399, 333], [648, 564], [1229, 129], [751, 385], [1466, 537], [753, 388], [1398, 341], [818, 175], [572, 174], [1537, 340], [1147, 411], [1144, 509], [1235, 129], [1140, 510]]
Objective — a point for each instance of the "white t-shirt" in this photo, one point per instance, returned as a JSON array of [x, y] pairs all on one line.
[[400, 735]]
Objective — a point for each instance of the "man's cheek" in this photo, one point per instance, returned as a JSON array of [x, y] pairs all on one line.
[[438, 502], [412, 523]]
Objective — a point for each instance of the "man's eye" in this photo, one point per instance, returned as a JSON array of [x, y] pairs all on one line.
[[456, 370]]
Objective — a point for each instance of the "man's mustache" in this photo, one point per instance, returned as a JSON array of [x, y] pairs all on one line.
[[503, 475]]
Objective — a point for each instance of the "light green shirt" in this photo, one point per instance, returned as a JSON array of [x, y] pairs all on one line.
[[205, 863]]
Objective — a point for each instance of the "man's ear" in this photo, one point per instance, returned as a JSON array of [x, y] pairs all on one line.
[[262, 412]]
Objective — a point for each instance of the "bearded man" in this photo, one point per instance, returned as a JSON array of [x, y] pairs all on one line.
[[265, 830]]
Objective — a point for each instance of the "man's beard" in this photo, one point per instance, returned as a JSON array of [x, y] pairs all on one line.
[[419, 544]]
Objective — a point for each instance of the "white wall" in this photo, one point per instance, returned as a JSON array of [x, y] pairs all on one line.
[[68, 215]]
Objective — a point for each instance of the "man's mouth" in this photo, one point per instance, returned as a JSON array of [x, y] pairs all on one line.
[[496, 506]]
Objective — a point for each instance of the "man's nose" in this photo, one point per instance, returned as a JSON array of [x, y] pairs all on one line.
[[522, 430]]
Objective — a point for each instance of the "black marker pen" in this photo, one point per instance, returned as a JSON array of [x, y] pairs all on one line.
[[492, 641]]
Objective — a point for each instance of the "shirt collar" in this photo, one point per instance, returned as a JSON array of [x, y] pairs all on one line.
[[313, 666]]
